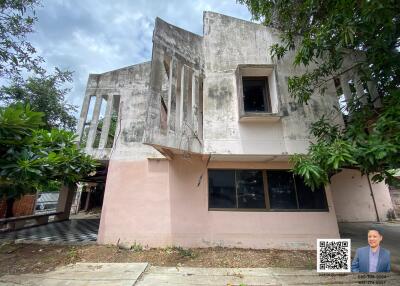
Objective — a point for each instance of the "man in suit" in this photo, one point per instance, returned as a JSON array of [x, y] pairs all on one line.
[[372, 258]]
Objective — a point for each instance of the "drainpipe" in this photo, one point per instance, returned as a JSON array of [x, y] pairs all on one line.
[[373, 198]]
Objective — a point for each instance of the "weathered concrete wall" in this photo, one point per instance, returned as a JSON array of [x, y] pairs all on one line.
[[176, 76], [353, 200], [395, 195], [129, 86], [228, 43]]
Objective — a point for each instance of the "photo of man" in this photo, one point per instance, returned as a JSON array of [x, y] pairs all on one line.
[[372, 258]]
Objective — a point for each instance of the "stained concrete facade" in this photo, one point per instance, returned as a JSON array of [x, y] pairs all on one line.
[[182, 114]]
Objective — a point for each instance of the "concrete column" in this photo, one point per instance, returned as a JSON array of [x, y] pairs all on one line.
[[344, 82], [360, 89], [156, 81], [93, 123], [195, 102], [83, 116], [106, 122], [65, 202], [178, 79], [171, 86], [181, 97], [373, 91]]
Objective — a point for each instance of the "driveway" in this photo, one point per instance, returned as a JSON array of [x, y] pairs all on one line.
[[74, 231]]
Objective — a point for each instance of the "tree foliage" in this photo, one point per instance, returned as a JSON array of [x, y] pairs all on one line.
[[45, 93], [32, 158], [322, 35], [17, 18]]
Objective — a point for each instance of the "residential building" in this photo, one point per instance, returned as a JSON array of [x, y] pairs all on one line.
[[197, 144]]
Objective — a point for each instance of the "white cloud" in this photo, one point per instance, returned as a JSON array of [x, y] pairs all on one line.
[[94, 36]]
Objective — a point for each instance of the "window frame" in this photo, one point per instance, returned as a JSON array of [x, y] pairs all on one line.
[[266, 195], [266, 94], [268, 72]]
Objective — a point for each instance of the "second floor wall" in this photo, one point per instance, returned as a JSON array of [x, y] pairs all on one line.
[[220, 93]]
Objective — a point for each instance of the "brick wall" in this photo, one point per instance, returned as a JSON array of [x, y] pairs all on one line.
[[24, 206], [3, 208]]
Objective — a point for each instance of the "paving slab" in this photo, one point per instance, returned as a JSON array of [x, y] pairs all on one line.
[[82, 274], [140, 274], [160, 276]]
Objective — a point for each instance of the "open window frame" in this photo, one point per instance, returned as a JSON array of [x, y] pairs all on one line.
[[261, 73]]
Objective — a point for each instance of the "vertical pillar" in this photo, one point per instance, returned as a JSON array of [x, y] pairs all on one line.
[[373, 91], [182, 97], [106, 122], [83, 116], [178, 79], [171, 86], [65, 202], [93, 123], [195, 102], [360, 89], [344, 82], [188, 103], [156, 81]]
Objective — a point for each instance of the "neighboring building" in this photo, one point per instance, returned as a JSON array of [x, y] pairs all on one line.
[[22, 206], [200, 138]]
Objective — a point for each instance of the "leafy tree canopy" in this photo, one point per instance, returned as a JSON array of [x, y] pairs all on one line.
[[326, 32], [32, 158], [17, 18], [45, 93]]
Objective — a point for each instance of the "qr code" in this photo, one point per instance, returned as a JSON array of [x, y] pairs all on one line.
[[333, 255]]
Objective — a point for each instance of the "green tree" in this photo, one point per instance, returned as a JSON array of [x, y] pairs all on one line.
[[326, 32], [45, 93], [32, 158], [17, 18]]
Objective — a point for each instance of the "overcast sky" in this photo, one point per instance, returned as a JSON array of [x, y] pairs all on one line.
[[95, 36]]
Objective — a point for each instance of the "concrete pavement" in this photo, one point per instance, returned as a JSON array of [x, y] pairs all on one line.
[[140, 274], [82, 274]]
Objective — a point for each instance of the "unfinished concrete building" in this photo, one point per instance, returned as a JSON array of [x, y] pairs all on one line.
[[198, 155]]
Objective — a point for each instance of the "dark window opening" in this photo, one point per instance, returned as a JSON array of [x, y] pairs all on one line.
[[256, 94], [309, 199], [250, 189], [262, 190], [163, 115], [281, 189], [222, 188]]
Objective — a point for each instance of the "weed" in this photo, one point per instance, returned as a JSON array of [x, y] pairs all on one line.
[[72, 254], [185, 252], [136, 247]]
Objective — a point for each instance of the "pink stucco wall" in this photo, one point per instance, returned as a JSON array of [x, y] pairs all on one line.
[[352, 197], [136, 203], [159, 203]]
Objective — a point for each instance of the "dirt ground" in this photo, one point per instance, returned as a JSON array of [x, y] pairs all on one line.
[[33, 258]]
